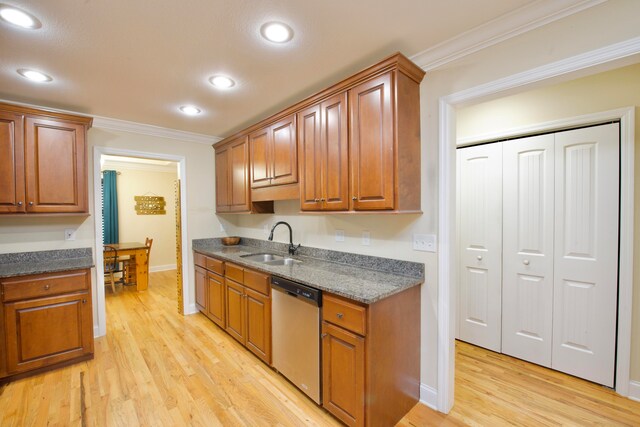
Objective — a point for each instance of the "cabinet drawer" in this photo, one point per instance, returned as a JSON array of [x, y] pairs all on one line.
[[257, 281], [214, 265], [235, 273], [199, 259], [345, 314], [35, 286]]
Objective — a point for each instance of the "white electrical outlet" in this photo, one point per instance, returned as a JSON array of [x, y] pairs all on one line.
[[339, 235], [424, 242], [69, 234], [366, 238]]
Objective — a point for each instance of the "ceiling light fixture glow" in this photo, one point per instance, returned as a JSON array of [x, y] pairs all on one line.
[[190, 110], [34, 76], [222, 82], [276, 32], [19, 17]]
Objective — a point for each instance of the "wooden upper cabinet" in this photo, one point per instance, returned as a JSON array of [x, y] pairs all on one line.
[[358, 143], [274, 155], [324, 151], [43, 161], [372, 144], [232, 177], [12, 194], [55, 165]]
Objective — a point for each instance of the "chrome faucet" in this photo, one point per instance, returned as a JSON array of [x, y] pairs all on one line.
[[292, 247]]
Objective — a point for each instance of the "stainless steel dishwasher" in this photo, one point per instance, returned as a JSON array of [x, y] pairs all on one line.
[[295, 318]]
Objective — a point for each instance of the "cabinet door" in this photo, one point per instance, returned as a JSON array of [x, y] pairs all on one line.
[[372, 144], [284, 152], [55, 165], [201, 289], [343, 374], [45, 331], [239, 176], [259, 324], [223, 202], [216, 299], [235, 304], [260, 158], [335, 152], [12, 197], [310, 149]]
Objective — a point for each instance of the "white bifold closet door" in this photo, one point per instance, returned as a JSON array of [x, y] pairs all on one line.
[[559, 196], [586, 252], [527, 288], [480, 224]]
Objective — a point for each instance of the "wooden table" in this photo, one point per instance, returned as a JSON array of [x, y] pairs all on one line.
[[139, 254]]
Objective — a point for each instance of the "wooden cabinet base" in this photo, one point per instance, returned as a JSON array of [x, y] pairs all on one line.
[[21, 375]]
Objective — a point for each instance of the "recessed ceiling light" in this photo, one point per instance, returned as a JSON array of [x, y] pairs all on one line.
[[34, 76], [276, 32], [19, 17], [222, 82], [190, 110]]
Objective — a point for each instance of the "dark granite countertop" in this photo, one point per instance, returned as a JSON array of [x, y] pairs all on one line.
[[26, 263], [359, 277]]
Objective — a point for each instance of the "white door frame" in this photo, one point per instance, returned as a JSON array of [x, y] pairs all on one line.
[[447, 261], [98, 152]]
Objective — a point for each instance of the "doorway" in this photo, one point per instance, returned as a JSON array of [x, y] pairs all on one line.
[[177, 230], [538, 249]]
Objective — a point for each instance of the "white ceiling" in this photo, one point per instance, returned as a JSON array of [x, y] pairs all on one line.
[[139, 60]]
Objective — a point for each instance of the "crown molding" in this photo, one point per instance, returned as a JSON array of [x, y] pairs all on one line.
[[512, 24], [151, 130], [141, 167]]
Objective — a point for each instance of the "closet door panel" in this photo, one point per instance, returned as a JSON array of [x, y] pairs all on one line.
[[586, 252], [528, 209], [480, 225]]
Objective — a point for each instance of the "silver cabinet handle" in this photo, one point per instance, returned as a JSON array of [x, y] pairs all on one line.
[[316, 200], [46, 287], [339, 315], [479, 257], [19, 203], [525, 262], [354, 198], [30, 203], [323, 335]]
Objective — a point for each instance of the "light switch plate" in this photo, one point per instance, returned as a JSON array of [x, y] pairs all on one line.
[[366, 238], [69, 234], [339, 235], [424, 242]]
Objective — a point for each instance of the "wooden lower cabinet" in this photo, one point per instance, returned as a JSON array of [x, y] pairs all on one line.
[[343, 374], [47, 321], [371, 358], [238, 300], [249, 314]]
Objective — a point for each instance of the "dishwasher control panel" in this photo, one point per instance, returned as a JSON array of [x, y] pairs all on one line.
[[308, 293]]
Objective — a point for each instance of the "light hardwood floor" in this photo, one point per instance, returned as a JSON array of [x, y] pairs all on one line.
[[156, 367]]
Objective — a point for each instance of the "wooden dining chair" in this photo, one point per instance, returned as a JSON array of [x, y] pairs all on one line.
[[111, 265]]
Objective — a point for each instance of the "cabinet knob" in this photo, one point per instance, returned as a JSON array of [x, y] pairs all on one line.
[[323, 335], [19, 203], [525, 262], [84, 300], [339, 315], [322, 199], [30, 203], [316, 200], [479, 257], [354, 198], [46, 287]]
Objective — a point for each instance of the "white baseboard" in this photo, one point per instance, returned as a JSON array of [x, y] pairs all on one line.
[[166, 267], [634, 390], [191, 309], [429, 396]]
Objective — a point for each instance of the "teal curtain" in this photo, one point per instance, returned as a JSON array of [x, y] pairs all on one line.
[[109, 207]]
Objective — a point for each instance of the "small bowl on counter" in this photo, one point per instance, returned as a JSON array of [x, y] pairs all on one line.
[[230, 241]]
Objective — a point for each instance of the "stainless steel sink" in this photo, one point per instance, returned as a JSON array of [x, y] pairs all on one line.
[[284, 261], [271, 259], [263, 257]]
